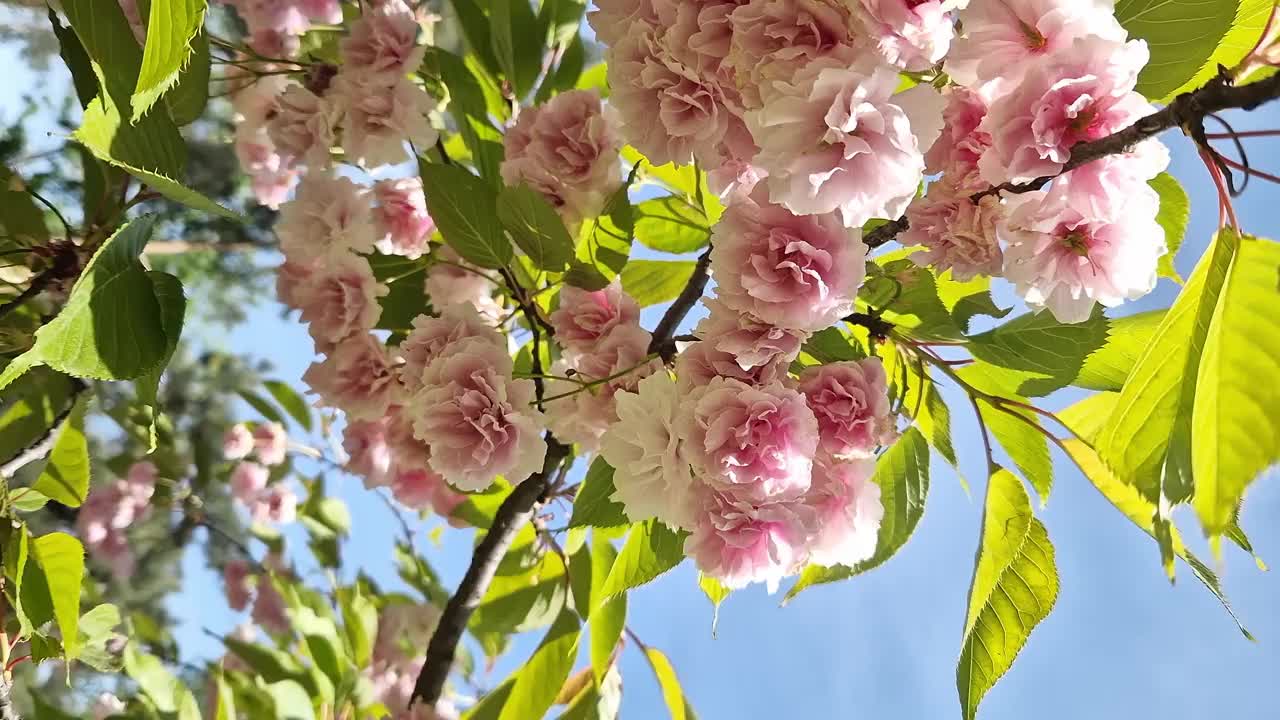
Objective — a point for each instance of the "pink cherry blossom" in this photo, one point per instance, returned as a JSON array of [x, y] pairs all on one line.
[[701, 362], [616, 362], [404, 227], [739, 543], [276, 505], [384, 41], [340, 299], [328, 12], [270, 443], [291, 282], [476, 418], [247, 481], [358, 377], [237, 442], [832, 140], [141, 477], [566, 149], [269, 609], [368, 452], [382, 114], [851, 403], [911, 34], [651, 475], [303, 126], [1100, 188], [799, 272], [403, 630], [613, 20], [848, 508], [751, 342], [1065, 260], [959, 234], [1080, 93], [327, 215], [452, 281], [1001, 39], [237, 582], [773, 39], [430, 337], [586, 316], [753, 443]]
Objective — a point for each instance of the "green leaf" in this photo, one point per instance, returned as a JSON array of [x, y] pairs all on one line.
[[599, 701], [21, 222], [465, 209], [651, 282], [1015, 586], [173, 310], [76, 60], [261, 404], [28, 500], [167, 692], [540, 679], [608, 615], [1026, 446], [172, 27], [1181, 34], [469, 108], [516, 45], [902, 473], [833, 344], [569, 69], [910, 299], [672, 694], [65, 476], [522, 602], [1251, 19], [651, 549], [291, 700], [490, 706], [291, 401], [188, 98], [1146, 442], [224, 698], [97, 635], [1107, 368], [594, 505], [60, 558], [671, 224], [1235, 427], [1047, 353], [535, 226], [717, 593], [1175, 212], [605, 243], [110, 328]]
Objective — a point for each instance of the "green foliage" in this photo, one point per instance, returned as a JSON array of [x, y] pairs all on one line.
[[1107, 367], [717, 593], [21, 222], [1015, 586], [465, 209], [535, 226], [65, 476], [539, 680], [51, 584], [468, 106], [1181, 34], [1251, 18], [672, 694], [1046, 354], [1016, 431], [167, 694], [190, 95], [172, 27], [594, 506], [1235, 427], [1174, 214], [173, 310], [671, 224], [651, 549], [291, 401], [902, 473], [651, 282], [522, 601], [608, 615]]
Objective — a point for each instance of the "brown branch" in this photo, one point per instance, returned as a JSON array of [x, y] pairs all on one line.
[[515, 511], [877, 327], [884, 233], [680, 307]]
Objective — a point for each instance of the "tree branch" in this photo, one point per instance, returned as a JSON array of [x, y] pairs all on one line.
[[512, 515], [680, 307]]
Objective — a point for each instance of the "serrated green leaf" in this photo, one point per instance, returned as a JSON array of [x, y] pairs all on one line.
[[65, 476], [909, 297], [672, 694], [1107, 368], [516, 44], [1251, 19], [594, 505], [599, 701], [97, 635], [902, 473], [28, 500], [1175, 212], [291, 401], [21, 222], [523, 602], [671, 224], [172, 26], [651, 282], [1046, 353], [536, 227], [1181, 34], [831, 345], [189, 97], [173, 309], [110, 328], [1015, 586], [1234, 424], [465, 209], [76, 60], [608, 615], [651, 549], [1027, 447], [539, 680], [261, 404], [60, 558]]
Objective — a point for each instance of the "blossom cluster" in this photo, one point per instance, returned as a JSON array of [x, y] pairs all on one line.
[[404, 629], [110, 510], [246, 583]]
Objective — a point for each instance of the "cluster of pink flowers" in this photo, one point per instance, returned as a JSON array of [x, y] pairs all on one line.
[[266, 502], [1036, 77], [109, 511], [403, 631], [604, 347], [246, 584], [371, 108]]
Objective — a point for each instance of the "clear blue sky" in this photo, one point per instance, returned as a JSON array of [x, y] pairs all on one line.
[[1121, 641]]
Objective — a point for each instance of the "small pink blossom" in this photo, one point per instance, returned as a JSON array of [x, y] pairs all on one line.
[[358, 377], [382, 114], [961, 144], [833, 140], [277, 505], [247, 481], [616, 362], [773, 39], [291, 282], [585, 316], [237, 442], [851, 403], [848, 508], [141, 477], [739, 543], [270, 443], [303, 126], [269, 609], [384, 41], [800, 272], [368, 452], [701, 362], [752, 443], [1081, 93], [911, 34], [340, 299], [751, 342], [404, 227], [403, 630], [237, 582], [478, 420], [327, 215], [430, 337], [452, 281], [959, 234], [566, 149]]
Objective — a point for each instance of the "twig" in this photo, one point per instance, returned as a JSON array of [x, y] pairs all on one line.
[[680, 307], [514, 512], [878, 327]]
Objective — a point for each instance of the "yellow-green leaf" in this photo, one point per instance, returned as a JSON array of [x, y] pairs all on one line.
[[172, 26], [540, 679], [65, 476]]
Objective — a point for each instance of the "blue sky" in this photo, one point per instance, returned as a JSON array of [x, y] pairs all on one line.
[[1121, 640]]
